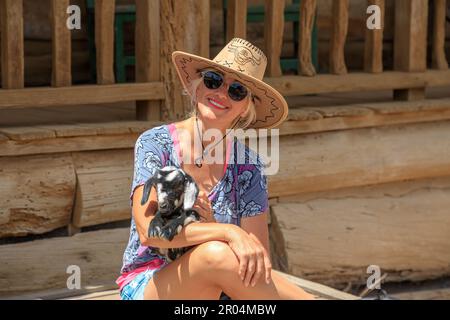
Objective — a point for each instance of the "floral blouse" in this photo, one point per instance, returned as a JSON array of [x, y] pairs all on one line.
[[242, 191]]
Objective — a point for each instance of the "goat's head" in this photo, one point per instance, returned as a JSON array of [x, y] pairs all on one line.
[[174, 188]]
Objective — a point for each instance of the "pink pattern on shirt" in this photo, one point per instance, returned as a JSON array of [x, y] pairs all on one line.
[[127, 277]]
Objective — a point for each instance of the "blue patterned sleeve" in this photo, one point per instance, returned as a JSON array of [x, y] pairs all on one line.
[[148, 156], [252, 188]]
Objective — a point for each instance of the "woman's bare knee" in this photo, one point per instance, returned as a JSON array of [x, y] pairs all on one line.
[[217, 255]]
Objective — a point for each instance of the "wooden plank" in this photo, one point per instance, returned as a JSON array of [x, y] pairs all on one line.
[[177, 18], [306, 17], [81, 94], [439, 60], [301, 120], [27, 133], [410, 42], [12, 57], [358, 82], [236, 20], [373, 49], [61, 45], [104, 40], [37, 265], [317, 288], [273, 35], [69, 130], [401, 227], [36, 194], [330, 118], [338, 36], [147, 39], [203, 9], [103, 188], [427, 294], [67, 144], [338, 159]]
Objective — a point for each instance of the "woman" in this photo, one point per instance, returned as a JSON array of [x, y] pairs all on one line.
[[231, 246]]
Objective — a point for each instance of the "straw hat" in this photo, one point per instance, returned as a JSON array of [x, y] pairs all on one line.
[[246, 63]]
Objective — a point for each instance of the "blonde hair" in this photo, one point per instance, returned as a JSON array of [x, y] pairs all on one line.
[[243, 123]]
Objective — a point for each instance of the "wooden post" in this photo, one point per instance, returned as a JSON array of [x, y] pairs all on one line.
[[236, 19], [104, 40], [410, 42], [61, 45], [438, 59], [338, 36], [147, 43], [273, 35], [12, 61], [182, 26], [373, 49], [307, 14]]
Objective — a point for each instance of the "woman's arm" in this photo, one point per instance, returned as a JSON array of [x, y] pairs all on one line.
[[192, 234], [257, 225]]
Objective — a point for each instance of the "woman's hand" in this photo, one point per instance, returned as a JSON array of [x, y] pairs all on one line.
[[254, 260], [203, 207]]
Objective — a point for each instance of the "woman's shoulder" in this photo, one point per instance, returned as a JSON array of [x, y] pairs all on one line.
[[156, 138], [152, 132]]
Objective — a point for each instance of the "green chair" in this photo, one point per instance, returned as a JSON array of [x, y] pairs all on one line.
[[291, 14], [123, 14]]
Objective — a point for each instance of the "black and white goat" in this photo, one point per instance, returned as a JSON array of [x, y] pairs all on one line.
[[176, 194]]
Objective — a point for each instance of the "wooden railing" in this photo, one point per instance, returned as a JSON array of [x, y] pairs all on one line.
[[161, 28], [409, 77], [147, 90]]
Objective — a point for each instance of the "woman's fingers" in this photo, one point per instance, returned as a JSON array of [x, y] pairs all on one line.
[[251, 267], [267, 268], [260, 262]]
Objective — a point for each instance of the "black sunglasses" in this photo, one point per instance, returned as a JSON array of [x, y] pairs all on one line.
[[214, 80]]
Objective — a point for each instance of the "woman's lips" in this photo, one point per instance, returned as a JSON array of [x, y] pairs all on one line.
[[213, 103]]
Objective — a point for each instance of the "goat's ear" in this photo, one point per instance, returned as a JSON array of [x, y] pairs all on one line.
[[190, 193], [147, 188]]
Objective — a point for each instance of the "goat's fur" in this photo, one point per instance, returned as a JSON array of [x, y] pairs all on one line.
[[176, 194]]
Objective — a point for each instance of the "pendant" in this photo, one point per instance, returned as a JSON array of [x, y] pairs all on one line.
[[198, 162]]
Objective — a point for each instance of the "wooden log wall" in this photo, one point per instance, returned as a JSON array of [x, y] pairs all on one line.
[[358, 185]]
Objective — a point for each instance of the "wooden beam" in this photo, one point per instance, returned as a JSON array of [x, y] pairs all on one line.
[[61, 45], [82, 94], [317, 289], [202, 7], [104, 40], [12, 54], [103, 186], [307, 15], [273, 35], [36, 265], [439, 60], [410, 42], [402, 227], [357, 82], [147, 40], [36, 195], [367, 156], [101, 136], [373, 49], [338, 36], [331, 118], [236, 19]]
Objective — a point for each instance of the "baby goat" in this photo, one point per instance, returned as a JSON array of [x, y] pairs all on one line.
[[176, 193]]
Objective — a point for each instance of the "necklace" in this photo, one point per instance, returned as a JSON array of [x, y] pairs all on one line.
[[198, 161]]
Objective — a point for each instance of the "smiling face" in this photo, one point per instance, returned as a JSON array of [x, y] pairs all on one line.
[[216, 107]]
